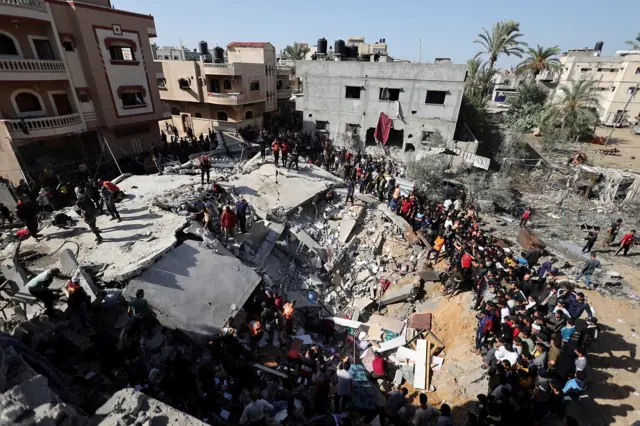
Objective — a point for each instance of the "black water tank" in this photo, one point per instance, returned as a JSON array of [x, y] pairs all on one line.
[[204, 47], [346, 53], [218, 55], [322, 46], [353, 53], [599, 45], [338, 47]]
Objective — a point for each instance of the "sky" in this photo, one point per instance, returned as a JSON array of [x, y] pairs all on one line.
[[447, 28]]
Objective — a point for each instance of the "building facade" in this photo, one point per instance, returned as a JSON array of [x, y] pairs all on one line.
[[73, 75], [343, 100], [233, 94], [617, 79]]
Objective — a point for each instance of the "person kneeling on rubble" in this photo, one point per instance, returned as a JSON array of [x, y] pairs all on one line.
[[38, 286], [141, 314]]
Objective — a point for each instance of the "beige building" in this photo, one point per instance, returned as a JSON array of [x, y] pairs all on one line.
[[233, 94], [617, 78], [73, 73]]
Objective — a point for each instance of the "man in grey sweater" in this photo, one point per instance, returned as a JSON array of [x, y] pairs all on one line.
[[587, 270]]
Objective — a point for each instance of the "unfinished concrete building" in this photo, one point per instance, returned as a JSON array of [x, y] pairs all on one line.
[[343, 100], [73, 74]]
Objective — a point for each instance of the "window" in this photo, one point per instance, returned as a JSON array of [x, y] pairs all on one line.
[[222, 116], [175, 111], [215, 86], [426, 136], [585, 69], [83, 96], [28, 102], [387, 94], [279, 84], [435, 97], [176, 58], [67, 45], [254, 86], [162, 83], [248, 115], [121, 53], [166, 57], [43, 49], [7, 46], [184, 83], [506, 82], [130, 99], [322, 125], [226, 84], [198, 115], [353, 92]]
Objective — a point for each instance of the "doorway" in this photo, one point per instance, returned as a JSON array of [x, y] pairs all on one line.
[[62, 104]]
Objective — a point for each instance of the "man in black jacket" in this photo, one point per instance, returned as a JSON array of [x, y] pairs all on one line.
[[26, 212]]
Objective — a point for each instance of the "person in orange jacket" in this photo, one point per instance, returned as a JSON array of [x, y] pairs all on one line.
[[228, 222], [287, 312], [437, 247], [275, 148]]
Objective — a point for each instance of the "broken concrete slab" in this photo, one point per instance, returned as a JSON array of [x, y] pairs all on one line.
[[282, 193], [392, 344], [310, 243], [352, 217], [68, 261], [87, 284], [429, 275], [194, 289], [396, 295], [386, 323]]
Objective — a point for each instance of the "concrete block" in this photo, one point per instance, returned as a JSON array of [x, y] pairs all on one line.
[[68, 261], [397, 295], [349, 221], [31, 393], [87, 284]]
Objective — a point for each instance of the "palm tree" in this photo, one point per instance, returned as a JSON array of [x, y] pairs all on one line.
[[635, 44], [576, 107], [503, 38], [539, 59], [296, 51], [479, 78]]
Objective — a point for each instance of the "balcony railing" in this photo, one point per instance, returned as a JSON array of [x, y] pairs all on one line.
[[220, 69], [30, 65], [35, 127], [33, 4], [229, 97]]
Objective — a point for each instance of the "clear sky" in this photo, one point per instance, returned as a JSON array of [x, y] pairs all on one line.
[[447, 28]]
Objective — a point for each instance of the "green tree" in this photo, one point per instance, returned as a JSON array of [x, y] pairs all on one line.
[[296, 51], [529, 93], [575, 109], [635, 44], [479, 79], [504, 38], [539, 59]]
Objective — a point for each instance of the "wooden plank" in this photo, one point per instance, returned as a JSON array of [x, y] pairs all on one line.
[[419, 372], [423, 239], [428, 372], [271, 371]]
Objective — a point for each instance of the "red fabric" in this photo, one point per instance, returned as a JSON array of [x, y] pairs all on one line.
[[23, 234], [378, 366], [110, 186], [627, 239], [278, 301], [383, 128], [406, 205], [466, 261], [385, 285], [228, 219], [284, 148], [526, 214]]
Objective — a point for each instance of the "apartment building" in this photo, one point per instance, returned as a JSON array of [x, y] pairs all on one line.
[[73, 74], [234, 93], [343, 100], [617, 80], [505, 87]]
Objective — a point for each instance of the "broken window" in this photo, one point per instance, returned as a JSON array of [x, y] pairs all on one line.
[[396, 138], [351, 128], [130, 99], [322, 125], [435, 97], [387, 94], [353, 92]]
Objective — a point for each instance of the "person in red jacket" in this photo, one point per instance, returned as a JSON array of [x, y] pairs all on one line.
[[626, 242], [284, 150], [228, 222]]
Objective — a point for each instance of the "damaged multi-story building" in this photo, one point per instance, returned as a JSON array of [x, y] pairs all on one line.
[[343, 99], [74, 75], [228, 89]]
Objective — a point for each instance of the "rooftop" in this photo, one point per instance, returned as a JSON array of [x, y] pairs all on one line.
[[248, 44]]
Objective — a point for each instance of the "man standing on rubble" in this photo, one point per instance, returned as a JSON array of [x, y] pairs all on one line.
[[26, 212], [89, 213], [343, 386], [287, 312], [140, 313], [205, 168], [275, 148], [228, 222], [241, 211], [107, 199], [284, 149], [612, 232], [351, 189], [591, 240], [626, 242], [156, 156], [525, 217], [588, 269]]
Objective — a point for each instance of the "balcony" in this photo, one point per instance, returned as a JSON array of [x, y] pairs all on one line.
[[284, 93], [225, 98], [31, 69], [33, 128], [35, 9], [221, 69]]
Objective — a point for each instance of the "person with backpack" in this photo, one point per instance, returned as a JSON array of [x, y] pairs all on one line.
[[205, 168]]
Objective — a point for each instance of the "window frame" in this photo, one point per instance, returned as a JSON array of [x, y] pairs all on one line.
[[251, 89], [444, 99], [351, 88]]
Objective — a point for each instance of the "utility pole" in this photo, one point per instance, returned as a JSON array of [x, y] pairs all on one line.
[[633, 93]]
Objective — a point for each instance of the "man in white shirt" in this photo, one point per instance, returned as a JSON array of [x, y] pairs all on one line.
[[253, 413], [343, 385], [426, 413], [447, 204], [458, 204]]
